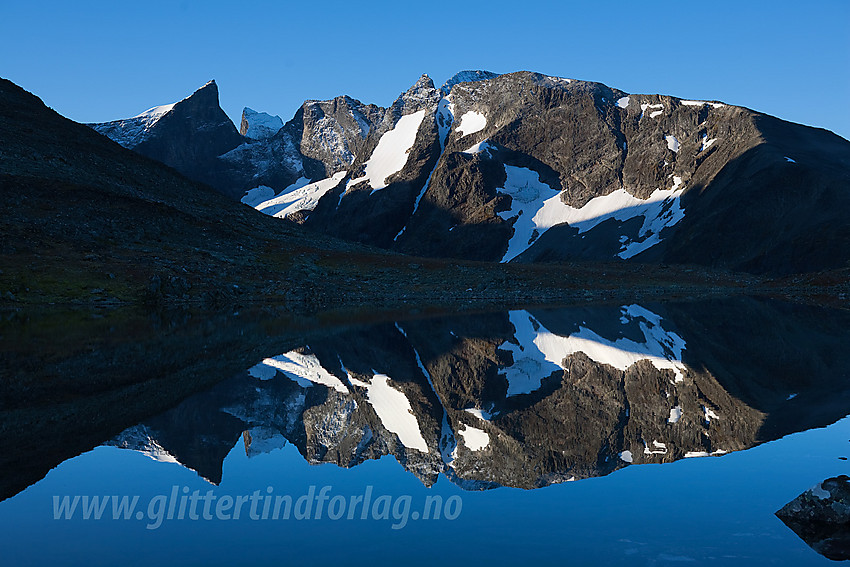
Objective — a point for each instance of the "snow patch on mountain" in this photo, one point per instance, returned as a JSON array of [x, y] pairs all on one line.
[[480, 413], [471, 122], [483, 146], [153, 114], [701, 103], [531, 365], [709, 414], [663, 209], [391, 153], [646, 106], [675, 414], [475, 439], [623, 102], [445, 118], [305, 370], [672, 143], [394, 411], [658, 448], [692, 454], [259, 125], [300, 196], [532, 205], [132, 131], [261, 193], [536, 208], [537, 352], [706, 143]]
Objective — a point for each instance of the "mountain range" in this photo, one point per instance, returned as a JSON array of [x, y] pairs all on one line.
[[87, 221], [524, 167]]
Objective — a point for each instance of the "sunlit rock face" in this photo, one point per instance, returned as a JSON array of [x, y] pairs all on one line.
[[525, 398], [525, 167]]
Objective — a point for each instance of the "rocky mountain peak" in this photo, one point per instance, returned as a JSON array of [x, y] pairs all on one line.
[[205, 98], [422, 94], [423, 82], [259, 125]]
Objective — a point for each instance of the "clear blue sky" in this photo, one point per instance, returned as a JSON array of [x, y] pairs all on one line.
[[98, 61]]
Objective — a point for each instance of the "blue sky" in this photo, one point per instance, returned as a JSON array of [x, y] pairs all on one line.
[[97, 61]]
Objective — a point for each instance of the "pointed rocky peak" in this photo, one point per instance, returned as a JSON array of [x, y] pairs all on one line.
[[467, 77], [205, 97], [201, 104], [421, 95], [259, 125], [423, 82]]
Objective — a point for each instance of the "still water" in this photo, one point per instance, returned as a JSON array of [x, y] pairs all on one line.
[[646, 434]]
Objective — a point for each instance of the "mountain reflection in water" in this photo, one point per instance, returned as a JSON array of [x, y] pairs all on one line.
[[525, 398]]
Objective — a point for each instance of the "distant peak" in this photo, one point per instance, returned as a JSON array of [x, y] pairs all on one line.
[[423, 82], [467, 77], [259, 125]]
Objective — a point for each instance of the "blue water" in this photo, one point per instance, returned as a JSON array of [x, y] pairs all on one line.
[[715, 510]]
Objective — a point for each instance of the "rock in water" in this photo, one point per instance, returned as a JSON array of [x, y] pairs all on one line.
[[821, 517]]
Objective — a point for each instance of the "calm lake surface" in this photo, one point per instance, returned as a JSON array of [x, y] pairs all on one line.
[[642, 433]]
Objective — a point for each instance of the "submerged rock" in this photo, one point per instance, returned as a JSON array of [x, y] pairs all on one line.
[[821, 517]]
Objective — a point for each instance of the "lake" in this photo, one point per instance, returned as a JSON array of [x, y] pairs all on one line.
[[641, 433]]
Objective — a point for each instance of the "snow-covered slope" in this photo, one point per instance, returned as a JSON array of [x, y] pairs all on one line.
[[132, 131], [390, 155], [298, 197]]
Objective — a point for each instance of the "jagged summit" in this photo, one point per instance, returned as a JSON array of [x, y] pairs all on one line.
[[422, 94], [424, 81]]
